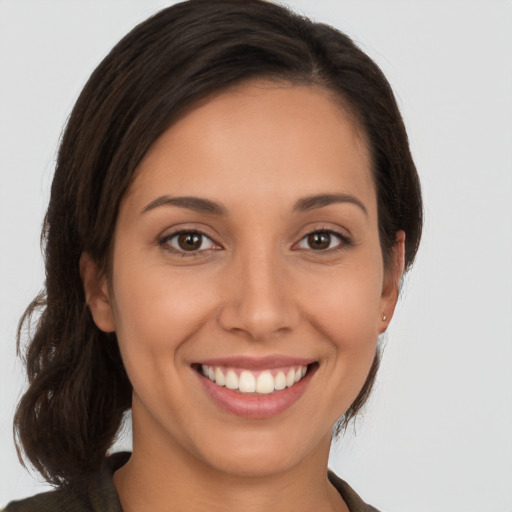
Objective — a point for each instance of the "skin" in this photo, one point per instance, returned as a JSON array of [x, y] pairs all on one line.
[[255, 287]]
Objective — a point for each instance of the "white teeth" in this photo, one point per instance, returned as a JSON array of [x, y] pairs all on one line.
[[231, 380], [290, 378], [219, 377], [246, 381], [265, 383], [280, 381]]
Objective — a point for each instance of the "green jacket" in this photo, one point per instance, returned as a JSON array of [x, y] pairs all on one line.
[[101, 496]]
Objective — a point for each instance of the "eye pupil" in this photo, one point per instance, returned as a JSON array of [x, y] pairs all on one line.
[[319, 240], [189, 241]]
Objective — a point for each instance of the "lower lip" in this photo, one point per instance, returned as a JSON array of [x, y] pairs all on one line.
[[255, 406]]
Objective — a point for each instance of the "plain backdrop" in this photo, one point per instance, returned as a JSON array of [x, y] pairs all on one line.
[[437, 434]]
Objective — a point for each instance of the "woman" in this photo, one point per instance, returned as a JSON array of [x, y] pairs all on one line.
[[233, 207]]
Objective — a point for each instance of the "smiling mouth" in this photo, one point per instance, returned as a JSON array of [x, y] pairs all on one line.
[[262, 382]]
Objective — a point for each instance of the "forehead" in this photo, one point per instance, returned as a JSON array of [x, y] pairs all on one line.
[[259, 138]]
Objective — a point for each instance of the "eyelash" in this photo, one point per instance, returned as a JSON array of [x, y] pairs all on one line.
[[343, 240], [163, 242]]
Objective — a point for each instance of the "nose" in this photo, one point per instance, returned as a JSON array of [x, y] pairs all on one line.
[[259, 300]]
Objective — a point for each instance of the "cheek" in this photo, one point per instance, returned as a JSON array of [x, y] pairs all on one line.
[[157, 310], [347, 306], [155, 317], [347, 317]]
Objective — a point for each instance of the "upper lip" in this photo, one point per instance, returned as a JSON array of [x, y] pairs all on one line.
[[257, 363]]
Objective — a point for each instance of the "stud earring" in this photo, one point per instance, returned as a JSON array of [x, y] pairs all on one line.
[[384, 317]]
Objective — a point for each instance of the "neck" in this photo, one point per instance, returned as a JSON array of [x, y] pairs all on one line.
[[162, 476]]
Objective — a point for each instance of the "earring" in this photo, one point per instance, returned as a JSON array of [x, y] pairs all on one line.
[[384, 317]]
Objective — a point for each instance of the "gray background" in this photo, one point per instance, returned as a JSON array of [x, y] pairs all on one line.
[[437, 434]]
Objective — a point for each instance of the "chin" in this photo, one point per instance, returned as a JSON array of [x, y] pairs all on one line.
[[262, 452]]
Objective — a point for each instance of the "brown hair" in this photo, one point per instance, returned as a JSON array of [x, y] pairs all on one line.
[[78, 388]]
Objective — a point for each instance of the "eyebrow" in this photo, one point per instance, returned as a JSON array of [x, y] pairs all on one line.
[[318, 201], [199, 204]]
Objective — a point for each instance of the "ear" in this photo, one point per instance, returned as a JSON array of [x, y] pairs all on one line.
[[391, 283], [96, 293]]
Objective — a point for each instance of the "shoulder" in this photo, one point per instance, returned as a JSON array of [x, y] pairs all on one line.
[[52, 501], [351, 498], [98, 496]]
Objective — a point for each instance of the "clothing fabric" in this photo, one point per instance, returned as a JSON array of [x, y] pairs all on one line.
[[102, 495]]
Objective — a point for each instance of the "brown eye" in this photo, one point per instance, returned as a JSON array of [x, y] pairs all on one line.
[[319, 241], [188, 241], [322, 240]]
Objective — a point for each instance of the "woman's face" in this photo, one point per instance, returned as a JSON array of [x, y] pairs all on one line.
[[247, 250]]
